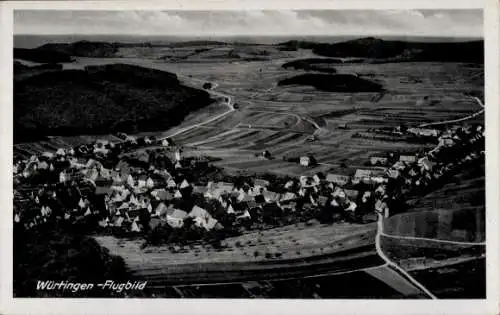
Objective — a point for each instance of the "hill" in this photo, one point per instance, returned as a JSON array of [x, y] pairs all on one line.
[[396, 51], [333, 83], [101, 99], [82, 49], [42, 55]]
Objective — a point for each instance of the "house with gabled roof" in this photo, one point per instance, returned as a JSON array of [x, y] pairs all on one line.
[[351, 193], [184, 184], [290, 206], [150, 183], [230, 209], [337, 179], [199, 189], [392, 173], [153, 223], [136, 227], [407, 158], [288, 196], [208, 223], [425, 163], [171, 183], [271, 196], [161, 210], [177, 194], [117, 221], [175, 217], [322, 200], [338, 192], [351, 207], [378, 160], [162, 194], [305, 161], [197, 211], [261, 183], [368, 175], [289, 184], [225, 186], [316, 179], [245, 215]]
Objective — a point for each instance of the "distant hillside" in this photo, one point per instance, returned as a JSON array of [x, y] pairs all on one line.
[[101, 99], [396, 51], [82, 49], [313, 64], [41, 55], [334, 83]]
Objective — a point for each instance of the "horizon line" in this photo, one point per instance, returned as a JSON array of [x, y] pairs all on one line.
[[248, 35]]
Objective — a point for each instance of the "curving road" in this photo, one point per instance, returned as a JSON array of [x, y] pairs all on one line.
[[459, 119], [229, 104], [393, 266]]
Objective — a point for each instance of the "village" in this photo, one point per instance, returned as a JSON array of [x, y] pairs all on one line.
[[104, 187]]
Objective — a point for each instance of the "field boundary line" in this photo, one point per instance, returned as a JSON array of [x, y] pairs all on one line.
[[415, 238], [326, 274]]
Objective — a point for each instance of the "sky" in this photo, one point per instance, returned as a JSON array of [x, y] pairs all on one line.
[[439, 23]]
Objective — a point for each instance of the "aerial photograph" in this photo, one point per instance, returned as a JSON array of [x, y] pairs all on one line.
[[249, 154]]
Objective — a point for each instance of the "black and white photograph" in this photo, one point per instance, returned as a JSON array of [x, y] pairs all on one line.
[[249, 154]]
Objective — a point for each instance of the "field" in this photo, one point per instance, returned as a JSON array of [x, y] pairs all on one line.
[[281, 251], [281, 119]]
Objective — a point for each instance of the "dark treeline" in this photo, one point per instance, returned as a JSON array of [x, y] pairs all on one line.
[[41, 55], [334, 83], [313, 64], [396, 51], [101, 99]]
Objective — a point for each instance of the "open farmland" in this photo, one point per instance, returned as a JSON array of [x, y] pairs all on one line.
[[263, 117], [271, 253], [280, 119]]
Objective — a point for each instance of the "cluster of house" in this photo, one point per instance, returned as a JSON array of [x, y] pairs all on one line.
[[123, 196]]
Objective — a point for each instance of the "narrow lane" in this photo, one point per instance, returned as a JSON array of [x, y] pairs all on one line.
[[393, 265]]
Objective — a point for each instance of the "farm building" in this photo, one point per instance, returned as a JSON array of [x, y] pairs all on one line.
[[424, 132], [339, 180], [446, 141], [367, 176], [407, 158], [378, 160], [305, 161]]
